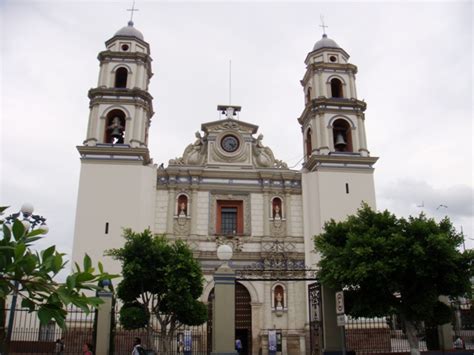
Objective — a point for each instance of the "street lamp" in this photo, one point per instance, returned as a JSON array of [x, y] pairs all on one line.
[[30, 222], [224, 253]]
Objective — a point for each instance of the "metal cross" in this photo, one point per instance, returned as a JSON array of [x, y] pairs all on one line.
[[132, 10], [323, 25]]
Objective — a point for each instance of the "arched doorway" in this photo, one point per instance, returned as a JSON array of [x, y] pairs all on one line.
[[243, 319]]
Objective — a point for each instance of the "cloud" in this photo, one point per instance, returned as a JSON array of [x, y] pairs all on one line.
[[410, 197]]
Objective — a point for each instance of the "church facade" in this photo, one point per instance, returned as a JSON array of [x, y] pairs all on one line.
[[227, 187]]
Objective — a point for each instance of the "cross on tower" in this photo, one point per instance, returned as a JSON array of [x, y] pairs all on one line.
[[323, 25], [132, 10]]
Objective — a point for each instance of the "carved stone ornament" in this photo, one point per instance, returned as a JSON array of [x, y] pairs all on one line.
[[234, 242], [194, 154], [263, 156], [278, 227], [182, 225]]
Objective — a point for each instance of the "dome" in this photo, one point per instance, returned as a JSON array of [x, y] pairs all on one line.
[[129, 31], [325, 42]]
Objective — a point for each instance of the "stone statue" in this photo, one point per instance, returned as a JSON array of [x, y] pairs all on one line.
[[279, 300], [276, 212], [195, 153], [182, 209], [263, 155]]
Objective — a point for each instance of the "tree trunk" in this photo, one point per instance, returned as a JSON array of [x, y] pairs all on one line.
[[412, 338], [163, 341]]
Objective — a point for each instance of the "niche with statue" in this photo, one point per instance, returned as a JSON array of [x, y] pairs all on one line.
[[182, 215]]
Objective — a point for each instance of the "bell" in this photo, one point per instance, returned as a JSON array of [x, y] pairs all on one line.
[[340, 142], [116, 133]]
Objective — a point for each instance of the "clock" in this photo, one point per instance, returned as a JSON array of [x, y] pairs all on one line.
[[230, 143]]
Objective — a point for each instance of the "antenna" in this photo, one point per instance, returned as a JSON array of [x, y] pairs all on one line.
[[230, 82], [323, 25], [132, 10], [444, 206]]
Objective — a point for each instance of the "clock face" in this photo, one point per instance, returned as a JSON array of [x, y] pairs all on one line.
[[230, 143]]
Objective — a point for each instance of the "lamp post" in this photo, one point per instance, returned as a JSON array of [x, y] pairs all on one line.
[[223, 323], [30, 222]]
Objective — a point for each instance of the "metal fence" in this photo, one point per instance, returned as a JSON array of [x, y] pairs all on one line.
[[378, 335], [192, 339], [386, 335], [30, 337]]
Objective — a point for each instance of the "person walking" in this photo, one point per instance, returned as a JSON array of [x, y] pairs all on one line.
[[137, 347], [87, 349], [59, 347]]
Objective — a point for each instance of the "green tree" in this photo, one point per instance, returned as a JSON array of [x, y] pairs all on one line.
[[165, 279], [30, 275], [389, 265]]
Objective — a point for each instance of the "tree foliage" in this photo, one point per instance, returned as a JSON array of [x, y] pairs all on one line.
[[395, 265], [30, 275], [163, 277]]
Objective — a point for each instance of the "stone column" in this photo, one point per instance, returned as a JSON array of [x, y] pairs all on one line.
[[320, 84], [266, 215], [257, 321], [352, 85], [171, 212], [102, 343], [324, 134], [194, 211], [289, 227], [223, 322]]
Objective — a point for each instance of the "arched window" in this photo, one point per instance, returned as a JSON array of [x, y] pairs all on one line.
[[309, 144], [121, 75], [279, 301], [276, 208], [341, 130], [182, 207], [336, 88], [308, 95], [115, 127]]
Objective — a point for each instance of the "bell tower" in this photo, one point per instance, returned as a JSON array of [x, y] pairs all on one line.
[[120, 105], [116, 186], [337, 175]]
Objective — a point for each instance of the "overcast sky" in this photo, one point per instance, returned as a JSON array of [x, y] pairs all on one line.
[[415, 73]]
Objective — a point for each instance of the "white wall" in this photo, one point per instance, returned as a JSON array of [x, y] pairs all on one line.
[[121, 194]]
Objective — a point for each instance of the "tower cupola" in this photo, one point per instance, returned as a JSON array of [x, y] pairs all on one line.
[[325, 42], [129, 31]]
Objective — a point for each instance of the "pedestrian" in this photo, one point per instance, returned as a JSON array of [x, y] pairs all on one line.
[[238, 346], [459, 343], [87, 349], [59, 346], [137, 347]]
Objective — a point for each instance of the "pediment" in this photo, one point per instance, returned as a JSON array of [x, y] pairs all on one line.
[[229, 124], [229, 143]]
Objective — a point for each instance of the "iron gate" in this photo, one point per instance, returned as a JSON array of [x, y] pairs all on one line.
[[315, 317]]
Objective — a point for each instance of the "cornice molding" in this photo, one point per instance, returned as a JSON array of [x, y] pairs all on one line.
[[114, 95], [334, 160], [114, 152]]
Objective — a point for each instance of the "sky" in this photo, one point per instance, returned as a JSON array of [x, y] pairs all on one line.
[[414, 64]]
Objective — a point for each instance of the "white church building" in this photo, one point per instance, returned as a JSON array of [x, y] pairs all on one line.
[[227, 187]]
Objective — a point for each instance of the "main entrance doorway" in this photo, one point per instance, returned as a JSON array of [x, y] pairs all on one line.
[[243, 318]]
